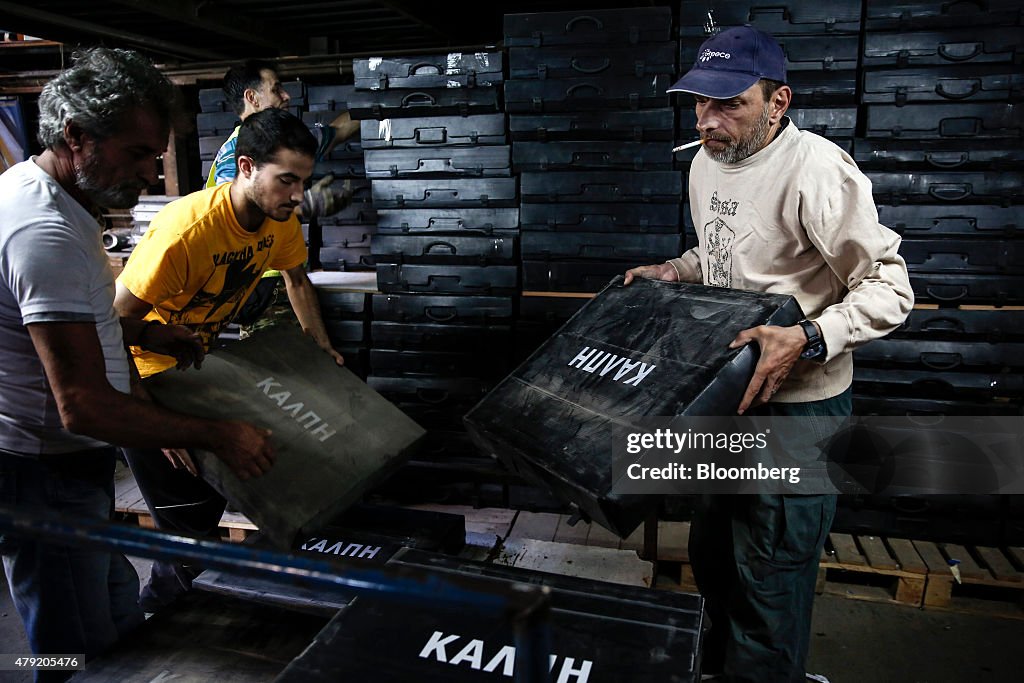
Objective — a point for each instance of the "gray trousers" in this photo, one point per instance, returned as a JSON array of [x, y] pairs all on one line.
[[755, 561]]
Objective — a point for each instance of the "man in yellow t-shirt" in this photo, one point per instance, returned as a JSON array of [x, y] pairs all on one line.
[[196, 266], [252, 87]]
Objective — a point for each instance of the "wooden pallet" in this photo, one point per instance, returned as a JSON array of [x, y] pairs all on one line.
[[129, 506], [503, 523], [128, 503], [872, 568], [860, 568], [992, 579], [891, 570], [542, 526], [903, 572]]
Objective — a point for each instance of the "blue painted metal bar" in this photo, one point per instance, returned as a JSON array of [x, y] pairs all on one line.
[[527, 606]]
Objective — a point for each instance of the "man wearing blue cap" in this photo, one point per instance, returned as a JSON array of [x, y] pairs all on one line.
[[784, 211]]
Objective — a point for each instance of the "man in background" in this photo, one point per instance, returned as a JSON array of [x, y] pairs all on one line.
[[255, 86], [252, 87]]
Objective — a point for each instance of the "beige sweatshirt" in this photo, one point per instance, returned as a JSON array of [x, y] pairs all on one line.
[[798, 218]]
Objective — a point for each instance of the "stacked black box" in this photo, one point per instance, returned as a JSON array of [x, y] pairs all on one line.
[[340, 241], [214, 123], [591, 132], [941, 89], [945, 160], [821, 40], [437, 154], [346, 314], [967, 519]]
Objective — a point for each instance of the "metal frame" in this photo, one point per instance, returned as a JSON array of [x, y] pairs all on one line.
[[527, 606]]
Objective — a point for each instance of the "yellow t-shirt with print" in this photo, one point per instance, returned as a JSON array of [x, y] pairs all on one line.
[[197, 265]]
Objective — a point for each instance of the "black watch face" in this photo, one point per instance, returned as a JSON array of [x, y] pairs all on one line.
[[813, 351]]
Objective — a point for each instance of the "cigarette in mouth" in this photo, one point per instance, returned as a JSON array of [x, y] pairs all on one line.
[[688, 145]]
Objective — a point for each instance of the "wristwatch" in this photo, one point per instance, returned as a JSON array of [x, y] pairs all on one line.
[[815, 347]]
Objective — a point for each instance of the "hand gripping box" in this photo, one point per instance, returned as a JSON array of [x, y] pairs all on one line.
[[651, 349]]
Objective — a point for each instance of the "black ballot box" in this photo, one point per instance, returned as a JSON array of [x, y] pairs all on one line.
[[334, 438], [364, 536], [600, 632], [652, 349]]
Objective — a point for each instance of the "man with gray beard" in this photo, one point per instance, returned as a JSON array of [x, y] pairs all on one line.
[[64, 370], [783, 211]]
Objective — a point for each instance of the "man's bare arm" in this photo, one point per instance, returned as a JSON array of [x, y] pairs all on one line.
[[302, 296], [73, 360]]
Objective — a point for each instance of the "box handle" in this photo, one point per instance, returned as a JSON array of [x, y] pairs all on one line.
[[598, 24], [942, 92], [941, 361], [450, 313], [946, 54], [961, 295], [441, 246], [950, 192], [436, 135], [445, 223], [933, 160], [418, 98], [422, 67], [576, 66], [943, 323], [571, 91]]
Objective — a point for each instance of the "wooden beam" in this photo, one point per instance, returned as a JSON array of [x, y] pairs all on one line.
[[175, 169], [81, 25], [317, 7], [209, 17], [403, 10], [28, 82]]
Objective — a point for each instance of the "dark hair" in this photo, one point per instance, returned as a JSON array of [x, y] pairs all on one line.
[[240, 78], [265, 132], [768, 87], [99, 88]]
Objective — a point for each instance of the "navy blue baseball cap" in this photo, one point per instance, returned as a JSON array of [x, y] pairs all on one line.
[[732, 61]]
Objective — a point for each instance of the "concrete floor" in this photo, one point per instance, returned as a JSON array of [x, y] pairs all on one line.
[[852, 642], [865, 642]]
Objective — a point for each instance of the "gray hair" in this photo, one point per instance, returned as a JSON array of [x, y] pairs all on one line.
[[100, 86]]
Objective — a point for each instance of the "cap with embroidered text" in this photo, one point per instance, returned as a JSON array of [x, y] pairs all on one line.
[[732, 61]]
